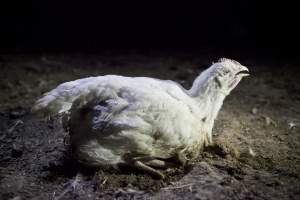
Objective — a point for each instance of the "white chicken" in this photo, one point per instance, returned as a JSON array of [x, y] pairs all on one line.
[[139, 121]]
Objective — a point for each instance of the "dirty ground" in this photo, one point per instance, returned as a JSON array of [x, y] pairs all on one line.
[[257, 142]]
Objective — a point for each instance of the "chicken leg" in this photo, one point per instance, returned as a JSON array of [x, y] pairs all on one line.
[[150, 165], [143, 167]]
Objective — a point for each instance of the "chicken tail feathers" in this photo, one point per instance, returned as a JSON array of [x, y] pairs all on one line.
[[59, 100], [50, 105]]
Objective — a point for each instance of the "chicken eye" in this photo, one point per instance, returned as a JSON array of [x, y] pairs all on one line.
[[223, 72]]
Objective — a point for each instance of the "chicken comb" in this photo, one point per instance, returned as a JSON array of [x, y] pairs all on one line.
[[228, 60]]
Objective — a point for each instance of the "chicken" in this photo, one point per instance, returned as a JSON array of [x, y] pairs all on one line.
[[146, 123]]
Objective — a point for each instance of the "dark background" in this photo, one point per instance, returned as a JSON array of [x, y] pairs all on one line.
[[248, 26]]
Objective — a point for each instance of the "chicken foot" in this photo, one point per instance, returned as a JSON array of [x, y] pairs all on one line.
[[143, 167], [150, 165]]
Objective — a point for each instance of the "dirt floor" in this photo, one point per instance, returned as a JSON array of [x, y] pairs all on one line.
[[257, 133]]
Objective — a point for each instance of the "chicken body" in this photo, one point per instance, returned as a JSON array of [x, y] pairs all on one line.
[[135, 117], [137, 121]]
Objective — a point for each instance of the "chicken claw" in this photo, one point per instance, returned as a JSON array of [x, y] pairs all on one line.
[[141, 166]]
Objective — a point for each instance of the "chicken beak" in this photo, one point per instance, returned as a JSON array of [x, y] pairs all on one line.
[[244, 71]]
